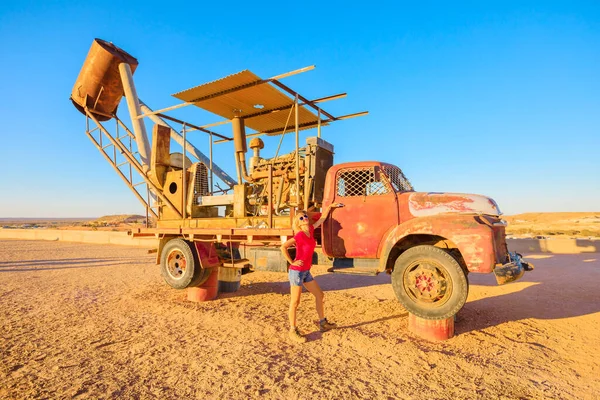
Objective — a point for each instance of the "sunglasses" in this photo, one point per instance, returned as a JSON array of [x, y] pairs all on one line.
[[305, 217]]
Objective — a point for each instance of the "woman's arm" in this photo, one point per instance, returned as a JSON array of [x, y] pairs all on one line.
[[326, 214], [284, 249]]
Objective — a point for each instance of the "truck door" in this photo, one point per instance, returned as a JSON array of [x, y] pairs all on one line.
[[370, 210]]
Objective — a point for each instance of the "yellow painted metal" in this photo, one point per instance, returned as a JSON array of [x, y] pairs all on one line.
[[239, 200], [228, 225], [173, 191], [161, 155]]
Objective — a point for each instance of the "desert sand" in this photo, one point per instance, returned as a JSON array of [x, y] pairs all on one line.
[[97, 321]]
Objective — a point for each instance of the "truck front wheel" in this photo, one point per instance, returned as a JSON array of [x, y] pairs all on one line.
[[179, 265], [429, 282]]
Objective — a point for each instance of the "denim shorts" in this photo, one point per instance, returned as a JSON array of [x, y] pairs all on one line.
[[297, 278]]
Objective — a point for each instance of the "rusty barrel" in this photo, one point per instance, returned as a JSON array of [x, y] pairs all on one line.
[[98, 85], [206, 291], [229, 279], [433, 330]]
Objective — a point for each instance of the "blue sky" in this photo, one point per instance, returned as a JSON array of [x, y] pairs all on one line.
[[497, 98]]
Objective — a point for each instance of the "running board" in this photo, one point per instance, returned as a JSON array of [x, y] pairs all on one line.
[[353, 271]]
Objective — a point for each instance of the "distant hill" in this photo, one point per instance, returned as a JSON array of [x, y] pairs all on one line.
[[119, 222], [573, 224], [107, 222], [30, 220], [121, 219]]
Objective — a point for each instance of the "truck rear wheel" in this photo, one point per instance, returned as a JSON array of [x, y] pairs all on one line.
[[179, 265], [429, 282]]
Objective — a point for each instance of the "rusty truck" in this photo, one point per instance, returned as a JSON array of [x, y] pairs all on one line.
[[204, 218]]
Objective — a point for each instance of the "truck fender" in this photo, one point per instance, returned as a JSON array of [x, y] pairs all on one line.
[[418, 226], [473, 240]]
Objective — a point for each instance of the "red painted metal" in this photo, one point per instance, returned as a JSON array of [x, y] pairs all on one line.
[[370, 226], [426, 204], [434, 330], [207, 255], [206, 291], [474, 240], [356, 230], [208, 258]]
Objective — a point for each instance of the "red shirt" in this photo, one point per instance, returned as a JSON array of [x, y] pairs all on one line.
[[305, 247]]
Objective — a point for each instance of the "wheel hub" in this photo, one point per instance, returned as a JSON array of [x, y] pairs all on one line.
[[427, 283], [176, 264]]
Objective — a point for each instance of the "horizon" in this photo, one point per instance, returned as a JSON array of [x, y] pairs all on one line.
[[143, 216], [464, 98]]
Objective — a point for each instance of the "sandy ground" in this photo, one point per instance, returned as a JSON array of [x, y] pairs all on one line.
[[96, 321]]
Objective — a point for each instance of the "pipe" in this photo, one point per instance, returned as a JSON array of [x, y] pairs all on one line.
[[133, 105], [184, 196], [214, 168], [239, 143], [239, 135], [307, 180], [270, 200], [211, 164], [242, 158], [319, 124], [297, 157], [237, 168], [279, 194]]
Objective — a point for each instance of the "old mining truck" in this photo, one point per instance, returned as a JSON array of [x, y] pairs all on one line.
[[206, 219]]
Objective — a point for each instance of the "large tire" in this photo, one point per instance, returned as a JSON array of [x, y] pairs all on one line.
[[179, 265], [430, 282]]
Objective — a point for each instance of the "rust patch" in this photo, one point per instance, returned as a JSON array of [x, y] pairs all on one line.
[[474, 241], [424, 201]]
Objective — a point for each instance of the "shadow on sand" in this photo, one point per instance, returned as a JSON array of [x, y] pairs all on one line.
[[562, 286], [68, 263], [328, 282]]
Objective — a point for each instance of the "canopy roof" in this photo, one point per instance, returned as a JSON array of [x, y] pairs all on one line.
[[262, 103]]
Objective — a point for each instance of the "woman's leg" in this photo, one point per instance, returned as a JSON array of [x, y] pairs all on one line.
[[295, 292], [315, 289]]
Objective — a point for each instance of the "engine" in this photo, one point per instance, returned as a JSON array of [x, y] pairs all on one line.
[[315, 159]]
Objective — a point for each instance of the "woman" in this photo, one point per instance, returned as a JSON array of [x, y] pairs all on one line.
[[299, 270]]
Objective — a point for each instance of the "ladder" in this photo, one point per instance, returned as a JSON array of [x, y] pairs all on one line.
[[118, 150]]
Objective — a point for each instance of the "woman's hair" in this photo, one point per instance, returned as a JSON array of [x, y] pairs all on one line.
[[295, 222]]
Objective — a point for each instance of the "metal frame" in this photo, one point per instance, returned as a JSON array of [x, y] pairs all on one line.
[[186, 127], [133, 164], [298, 101], [274, 80]]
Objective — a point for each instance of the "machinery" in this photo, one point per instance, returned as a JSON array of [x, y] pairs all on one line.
[[179, 191], [205, 218]]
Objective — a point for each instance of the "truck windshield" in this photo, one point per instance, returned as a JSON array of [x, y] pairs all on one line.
[[399, 182]]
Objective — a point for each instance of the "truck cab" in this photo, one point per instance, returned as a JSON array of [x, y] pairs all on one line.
[[428, 242]]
